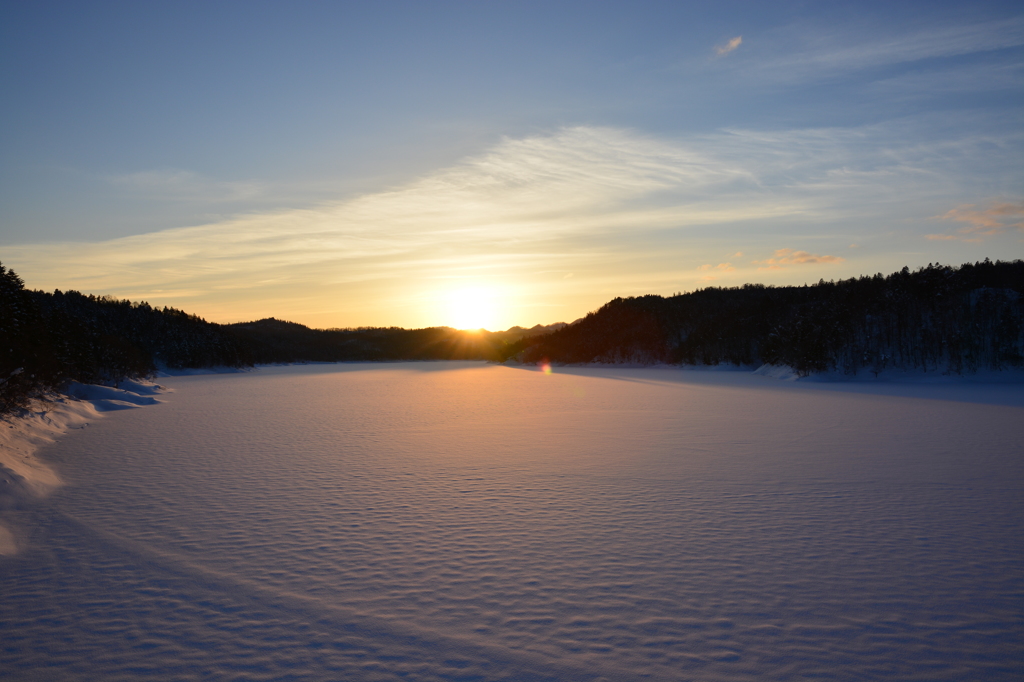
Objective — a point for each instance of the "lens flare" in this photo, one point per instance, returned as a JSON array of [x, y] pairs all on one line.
[[545, 366]]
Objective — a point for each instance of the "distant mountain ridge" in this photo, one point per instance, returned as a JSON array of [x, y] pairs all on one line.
[[270, 340], [50, 339]]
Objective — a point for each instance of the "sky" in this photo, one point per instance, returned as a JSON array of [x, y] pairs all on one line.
[[415, 164]]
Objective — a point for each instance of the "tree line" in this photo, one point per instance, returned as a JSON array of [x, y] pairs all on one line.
[[273, 341], [938, 318], [50, 339]]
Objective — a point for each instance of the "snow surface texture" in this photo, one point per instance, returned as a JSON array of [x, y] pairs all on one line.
[[22, 474], [460, 521]]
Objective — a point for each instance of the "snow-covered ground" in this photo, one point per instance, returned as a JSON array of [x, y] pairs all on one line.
[[462, 521], [22, 473]]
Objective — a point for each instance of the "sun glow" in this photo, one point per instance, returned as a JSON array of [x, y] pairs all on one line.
[[472, 308]]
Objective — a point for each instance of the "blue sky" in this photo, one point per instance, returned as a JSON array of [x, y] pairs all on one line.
[[344, 164]]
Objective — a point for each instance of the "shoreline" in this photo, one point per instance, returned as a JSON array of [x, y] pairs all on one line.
[[23, 476]]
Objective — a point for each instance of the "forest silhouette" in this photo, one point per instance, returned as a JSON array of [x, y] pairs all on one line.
[[939, 318]]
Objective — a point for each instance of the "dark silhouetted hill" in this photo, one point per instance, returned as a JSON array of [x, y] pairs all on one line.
[[942, 318], [47, 340], [937, 318], [50, 339], [273, 341]]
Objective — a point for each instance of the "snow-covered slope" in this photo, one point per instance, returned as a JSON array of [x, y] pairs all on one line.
[[22, 473]]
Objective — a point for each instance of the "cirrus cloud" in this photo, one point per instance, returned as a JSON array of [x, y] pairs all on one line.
[[979, 223], [784, 257], [726, 48], [626, 213], [728, 267]]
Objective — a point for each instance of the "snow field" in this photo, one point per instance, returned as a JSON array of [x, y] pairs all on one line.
[[452, 521]]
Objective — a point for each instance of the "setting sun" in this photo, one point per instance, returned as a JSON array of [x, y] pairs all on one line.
[[472, 308]]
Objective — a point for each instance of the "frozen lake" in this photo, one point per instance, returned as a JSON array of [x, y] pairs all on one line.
[[462, 521]]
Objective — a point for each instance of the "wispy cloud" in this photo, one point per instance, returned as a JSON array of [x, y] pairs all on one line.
[[786, 257], [534, 204], [721, 267], [625, 213], [964, 80], [182, 185], [726, 48], [804, 52], [995, 219]]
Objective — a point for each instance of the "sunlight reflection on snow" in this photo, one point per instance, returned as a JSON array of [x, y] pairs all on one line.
[[445, 521]]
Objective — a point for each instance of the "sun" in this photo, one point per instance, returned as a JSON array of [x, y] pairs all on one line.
[[472, 308]]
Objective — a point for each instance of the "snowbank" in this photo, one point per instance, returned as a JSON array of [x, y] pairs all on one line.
[[781, 372], [895, 375], [164, 371], [22, 474], [787, 373]]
